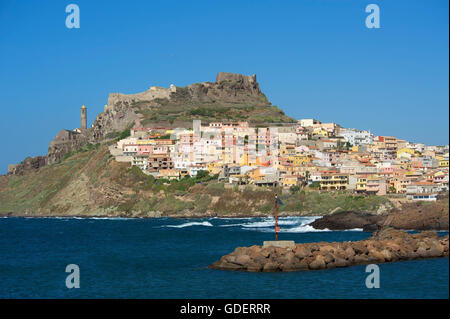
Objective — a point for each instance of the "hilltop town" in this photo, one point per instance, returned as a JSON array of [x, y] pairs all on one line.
[[308, 153], [222, 149]]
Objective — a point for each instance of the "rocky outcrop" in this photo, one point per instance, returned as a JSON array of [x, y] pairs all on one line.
[[27, 165], [64, 142], [420, 216], [244, 82], [117, 116], [347, 220], [386, 245], [417, 216]]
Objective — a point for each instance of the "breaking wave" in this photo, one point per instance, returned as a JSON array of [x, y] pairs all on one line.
[[302, 229], [208, 224], [287, 224]]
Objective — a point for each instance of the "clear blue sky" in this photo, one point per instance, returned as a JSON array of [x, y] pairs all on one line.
[[312, 58]]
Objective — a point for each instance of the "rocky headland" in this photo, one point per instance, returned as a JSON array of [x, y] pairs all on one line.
[[385, 245]]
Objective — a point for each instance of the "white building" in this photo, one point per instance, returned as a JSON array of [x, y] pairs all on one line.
[[356, 137]]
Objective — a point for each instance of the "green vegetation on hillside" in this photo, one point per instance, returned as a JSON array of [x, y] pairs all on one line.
[[90, 182], [181, 107]]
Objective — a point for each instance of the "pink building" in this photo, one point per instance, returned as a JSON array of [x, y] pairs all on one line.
[[144, 149]]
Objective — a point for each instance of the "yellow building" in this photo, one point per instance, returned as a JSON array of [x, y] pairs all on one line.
[[169, 174], [400, 184], [443, 163], [255, 175], [335, 181], [299, 160], [320, 132], [214, 168], [286, 149], [413, 174], [406, 152], [289, 181], [361, 184]]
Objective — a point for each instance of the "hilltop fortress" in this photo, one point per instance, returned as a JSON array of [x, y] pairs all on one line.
[[230, 90], [155, 92]]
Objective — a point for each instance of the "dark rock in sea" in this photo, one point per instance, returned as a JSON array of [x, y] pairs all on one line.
[[385, 245], [347, 220]]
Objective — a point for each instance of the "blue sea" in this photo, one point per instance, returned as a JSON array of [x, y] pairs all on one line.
[[168, 258]]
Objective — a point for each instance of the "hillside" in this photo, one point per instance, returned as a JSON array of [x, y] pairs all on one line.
[[91, 183], [232, 97]]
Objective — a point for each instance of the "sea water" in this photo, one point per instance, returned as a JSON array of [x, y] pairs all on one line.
[[169, 258]]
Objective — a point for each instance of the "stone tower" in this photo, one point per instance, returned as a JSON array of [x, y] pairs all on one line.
[[83, 117]]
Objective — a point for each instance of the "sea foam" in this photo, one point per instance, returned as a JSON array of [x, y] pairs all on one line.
[[208, 224]]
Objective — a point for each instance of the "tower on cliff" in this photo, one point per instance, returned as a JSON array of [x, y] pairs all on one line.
[[83, 117]]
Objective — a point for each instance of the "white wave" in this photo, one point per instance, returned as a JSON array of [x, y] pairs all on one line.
[[208, 224], [231, 218], [302, 229], [269, 222], [298, 229], [354, 229], [267, 225], [259, 224], [114, 218], [231, 225]]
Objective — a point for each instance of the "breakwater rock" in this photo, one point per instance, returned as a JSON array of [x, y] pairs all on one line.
[[385, 245]]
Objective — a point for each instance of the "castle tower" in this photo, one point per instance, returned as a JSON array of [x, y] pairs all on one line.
[[83, 117]]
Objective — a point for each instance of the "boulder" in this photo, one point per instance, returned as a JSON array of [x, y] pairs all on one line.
[[360, 248], [361, 259], [349, 253], [302, 252], [254, 266], [376, 255], [318, 263], [340, 262], [386, 254], [328, 258], [271, 266], [242, 260]]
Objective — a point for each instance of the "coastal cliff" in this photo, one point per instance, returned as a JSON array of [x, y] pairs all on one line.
[[386, 245]]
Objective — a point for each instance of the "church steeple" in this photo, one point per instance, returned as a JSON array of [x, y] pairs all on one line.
[[83, 117]]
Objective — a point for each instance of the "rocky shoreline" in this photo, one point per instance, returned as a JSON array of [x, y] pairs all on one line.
[[385, 245]]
